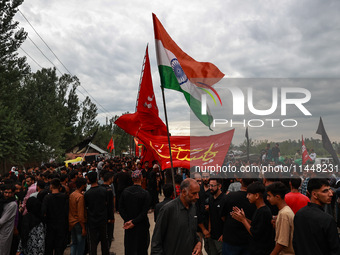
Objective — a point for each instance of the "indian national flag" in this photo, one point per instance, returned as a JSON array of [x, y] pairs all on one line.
[[178, 71]]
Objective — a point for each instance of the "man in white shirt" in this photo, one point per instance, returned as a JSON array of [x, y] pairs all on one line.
[[312, 155]]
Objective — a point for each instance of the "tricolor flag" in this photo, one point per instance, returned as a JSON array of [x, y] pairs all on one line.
[[111, 145], [178, 71], [305, 155]]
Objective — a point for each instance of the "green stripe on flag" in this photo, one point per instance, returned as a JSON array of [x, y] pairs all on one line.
[[169, 81], [168, 78], [195, 106]]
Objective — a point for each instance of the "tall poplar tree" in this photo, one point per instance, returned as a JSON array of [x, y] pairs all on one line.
[[12, 69]]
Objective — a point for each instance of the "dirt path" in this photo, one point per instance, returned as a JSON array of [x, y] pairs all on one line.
[[118, 243]]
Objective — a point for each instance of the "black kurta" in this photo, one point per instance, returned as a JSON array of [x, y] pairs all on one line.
[[175, 230], [96, 201], [215, 212], [315, 232], [134, 205], [262, 241], [234, 233], [55, 210]]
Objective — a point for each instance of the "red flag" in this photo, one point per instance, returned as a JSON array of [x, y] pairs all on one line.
[[305, 156], [146, 101], [132, 123], [147, 155], [188, 151], [110, 146], [146, 117]]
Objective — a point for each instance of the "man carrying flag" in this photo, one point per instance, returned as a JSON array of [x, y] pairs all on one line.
[[180, 72]]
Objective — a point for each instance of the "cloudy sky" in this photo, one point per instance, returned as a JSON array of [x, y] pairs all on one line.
[[103, 43]]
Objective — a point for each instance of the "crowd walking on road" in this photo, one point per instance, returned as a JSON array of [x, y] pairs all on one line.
[[45, 209]]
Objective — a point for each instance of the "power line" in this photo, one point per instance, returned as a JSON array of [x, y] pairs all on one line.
[[48, 60], [105, 111], [44, 42], [44, 55], [30, 57], [42, 67]]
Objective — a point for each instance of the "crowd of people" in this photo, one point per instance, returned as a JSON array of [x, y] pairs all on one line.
[[45, 209]]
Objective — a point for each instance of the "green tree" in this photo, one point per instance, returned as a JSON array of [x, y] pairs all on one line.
[[44, 109], [41, 115], [120, 137], [54, 117], [72, 105], [12, 69], [87, 120], [12, 138]]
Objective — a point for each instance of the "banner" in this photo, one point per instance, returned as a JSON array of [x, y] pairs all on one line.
[[189, 151]]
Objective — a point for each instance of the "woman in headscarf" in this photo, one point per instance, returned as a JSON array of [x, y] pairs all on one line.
[[32, 235]]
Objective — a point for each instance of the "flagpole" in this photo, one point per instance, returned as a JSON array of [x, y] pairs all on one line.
[[168, 134], [302, 152], [88, 147], [247, 136]]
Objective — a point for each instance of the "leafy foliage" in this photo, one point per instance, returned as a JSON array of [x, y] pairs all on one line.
[[40, 113], [12, 70], [122, 140]]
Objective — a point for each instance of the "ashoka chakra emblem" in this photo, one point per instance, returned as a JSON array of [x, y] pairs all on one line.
[[180, 75]]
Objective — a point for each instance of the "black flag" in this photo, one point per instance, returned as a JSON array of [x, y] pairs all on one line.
[[83, 144], [326, 142], [247, 136]]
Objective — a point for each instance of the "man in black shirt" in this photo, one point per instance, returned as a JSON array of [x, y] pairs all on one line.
[[134, 206], [123, 181], [276, 153], [168, 191], [55, 211], [108, 179], [153, 185], [235, 236], [203, 211], [315, 231], [176, 226], [216, 202], [42, 192], [145, 173], [96, 201], [260, 227]]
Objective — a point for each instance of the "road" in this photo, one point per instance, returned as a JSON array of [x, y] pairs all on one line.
[[118, 243]]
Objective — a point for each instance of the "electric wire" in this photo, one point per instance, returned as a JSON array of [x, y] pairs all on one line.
[[30, 57], [44, 55], [105, 111]]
